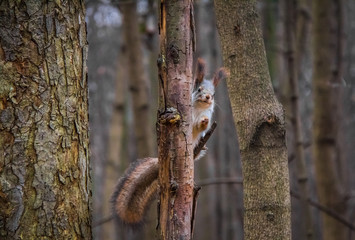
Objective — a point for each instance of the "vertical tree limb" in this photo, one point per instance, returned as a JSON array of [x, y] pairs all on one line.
[[259, 119], [327, 94], [293, 55], [139, 85], [176, 166], [139, 88]]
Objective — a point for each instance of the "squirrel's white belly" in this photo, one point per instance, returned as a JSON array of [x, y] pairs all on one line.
[[199, 114]]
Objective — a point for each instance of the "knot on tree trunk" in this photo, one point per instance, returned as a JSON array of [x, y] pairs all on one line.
[[170, 116]]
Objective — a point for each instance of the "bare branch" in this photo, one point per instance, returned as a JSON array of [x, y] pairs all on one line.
[[311, 202], [204, 139], [213, 181], [103, 221], [326, 210]]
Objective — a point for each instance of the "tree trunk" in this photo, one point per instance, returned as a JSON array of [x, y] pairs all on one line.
[[217, 209], [138, 83], [176, 166], [302, 24], [349, 108], [101, 71], [259, 120], [269, 19], [293, 54], [116, 161], [327, 90], [45, 186], [139, 87]]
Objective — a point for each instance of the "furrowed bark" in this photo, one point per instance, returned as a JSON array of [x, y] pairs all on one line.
[[45, 186], [174, 129], [259, 120]]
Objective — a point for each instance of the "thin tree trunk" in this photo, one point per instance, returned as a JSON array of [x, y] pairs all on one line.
[[45, 186], [303, 20], [116, 163], [139, 86], [138, 82], [222, 159], [349, 108], [206, 168], [207, 215], [101, 65], [327, 90], [259, 120], [269, 18], [176, 166], [293, 55]]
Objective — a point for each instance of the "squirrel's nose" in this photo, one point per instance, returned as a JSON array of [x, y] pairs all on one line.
[[208, 97]]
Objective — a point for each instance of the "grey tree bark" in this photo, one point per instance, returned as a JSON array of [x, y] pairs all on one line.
[[259, 119]]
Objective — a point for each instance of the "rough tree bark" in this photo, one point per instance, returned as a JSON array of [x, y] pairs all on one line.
[[259, 120], [327, 94], [45, 187], [176, 166]]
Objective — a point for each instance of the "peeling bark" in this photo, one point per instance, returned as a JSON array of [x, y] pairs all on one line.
[[44, 155], [176, 166]]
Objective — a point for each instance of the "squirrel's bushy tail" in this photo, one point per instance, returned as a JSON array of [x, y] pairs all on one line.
[[135, 191]]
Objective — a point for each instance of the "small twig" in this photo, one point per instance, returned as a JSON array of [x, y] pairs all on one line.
[[206, 182], [292, 156], [326, 210], [103, 221], [194, 208], [311, 202], [204, 139]]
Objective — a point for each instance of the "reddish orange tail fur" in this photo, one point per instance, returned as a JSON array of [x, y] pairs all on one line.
[[135, 191]]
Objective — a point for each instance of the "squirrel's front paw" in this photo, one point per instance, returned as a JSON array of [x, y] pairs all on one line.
[[204, 123]]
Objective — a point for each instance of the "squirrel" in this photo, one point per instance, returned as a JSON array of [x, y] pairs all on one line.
[[139, 184]]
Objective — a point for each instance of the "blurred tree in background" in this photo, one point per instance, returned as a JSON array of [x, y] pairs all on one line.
[[290, 53]]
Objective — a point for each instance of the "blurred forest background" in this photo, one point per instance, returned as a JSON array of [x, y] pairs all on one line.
[[123, 49]]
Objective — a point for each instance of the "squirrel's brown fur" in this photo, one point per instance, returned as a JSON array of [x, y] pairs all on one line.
[[135, 190]]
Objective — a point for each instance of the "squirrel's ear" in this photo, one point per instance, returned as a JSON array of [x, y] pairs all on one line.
[[221, 74], [200, 71]]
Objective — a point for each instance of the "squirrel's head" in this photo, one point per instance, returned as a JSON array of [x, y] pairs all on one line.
[[204, 89]]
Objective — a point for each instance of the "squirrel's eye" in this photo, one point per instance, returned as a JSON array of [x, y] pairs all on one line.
[[199, 90]]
